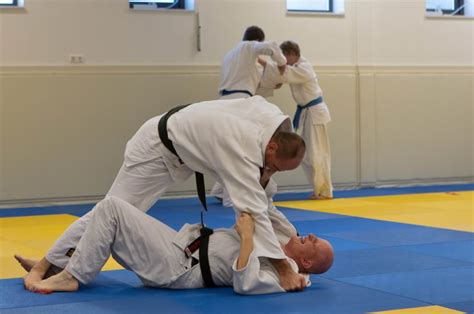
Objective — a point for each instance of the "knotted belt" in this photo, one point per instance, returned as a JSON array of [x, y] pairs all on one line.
[[201, 243], [300, 108]]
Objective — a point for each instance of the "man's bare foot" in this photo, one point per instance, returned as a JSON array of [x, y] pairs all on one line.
[[26, 263], [315, 197], [63, 281], [36, 273]]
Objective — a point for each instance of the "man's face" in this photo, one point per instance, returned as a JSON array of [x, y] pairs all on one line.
[[291, 58], [305, 246], [312, 254]]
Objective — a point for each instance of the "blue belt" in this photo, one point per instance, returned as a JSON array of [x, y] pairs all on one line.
[[226, 92], [300, 108]]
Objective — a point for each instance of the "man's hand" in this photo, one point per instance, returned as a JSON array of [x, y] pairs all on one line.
[[262, 62], [289, 280], [245, 226]]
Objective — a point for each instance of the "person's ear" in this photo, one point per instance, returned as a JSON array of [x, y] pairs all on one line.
[[272, 146], [306, 263]]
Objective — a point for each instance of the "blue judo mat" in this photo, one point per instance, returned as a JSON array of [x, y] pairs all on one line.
[[379, 266]]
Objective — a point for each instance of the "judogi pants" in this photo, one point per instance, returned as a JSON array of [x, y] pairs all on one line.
[[140, 185], [138, 242], [317, 161]]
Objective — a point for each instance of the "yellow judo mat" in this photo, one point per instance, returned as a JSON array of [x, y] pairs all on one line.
[[449, 210], [435, 309], [31, 236]]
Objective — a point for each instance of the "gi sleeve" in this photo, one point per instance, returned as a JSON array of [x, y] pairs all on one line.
[[283, 228], [241, 178], [299, 73], [269, 48], [271, 77], [253, 280]]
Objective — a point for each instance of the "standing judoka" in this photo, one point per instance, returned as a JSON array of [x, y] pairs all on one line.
[[156, 253], [240, 77], [240, 142], [311, 117]]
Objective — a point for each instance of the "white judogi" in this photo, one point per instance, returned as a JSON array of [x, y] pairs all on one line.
[[245, 127], [155, 252], [239, 68], [305, 88], [271, 77], [224, 138]]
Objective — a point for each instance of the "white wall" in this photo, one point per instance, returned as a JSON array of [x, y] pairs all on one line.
[[398, 33], [107, 32], [399, 86]]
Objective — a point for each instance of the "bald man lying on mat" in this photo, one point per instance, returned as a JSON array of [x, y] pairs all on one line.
[[162, 257]]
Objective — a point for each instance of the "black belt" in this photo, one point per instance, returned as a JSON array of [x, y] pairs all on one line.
[[201, 243], [226, 92], [163, 133]]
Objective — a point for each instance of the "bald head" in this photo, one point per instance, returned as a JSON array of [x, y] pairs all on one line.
[[312, 254], [324, 259]]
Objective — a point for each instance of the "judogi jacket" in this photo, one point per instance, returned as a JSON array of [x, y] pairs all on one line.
[[228, 139], [239, 69], [303, 83], [258, 277]]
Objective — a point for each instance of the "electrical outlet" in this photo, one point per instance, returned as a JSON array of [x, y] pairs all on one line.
[[76, 59]]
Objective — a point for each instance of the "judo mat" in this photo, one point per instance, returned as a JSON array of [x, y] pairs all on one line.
[[397, 250]]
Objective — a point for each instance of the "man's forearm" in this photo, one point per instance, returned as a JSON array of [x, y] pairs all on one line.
[[246, 248]]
